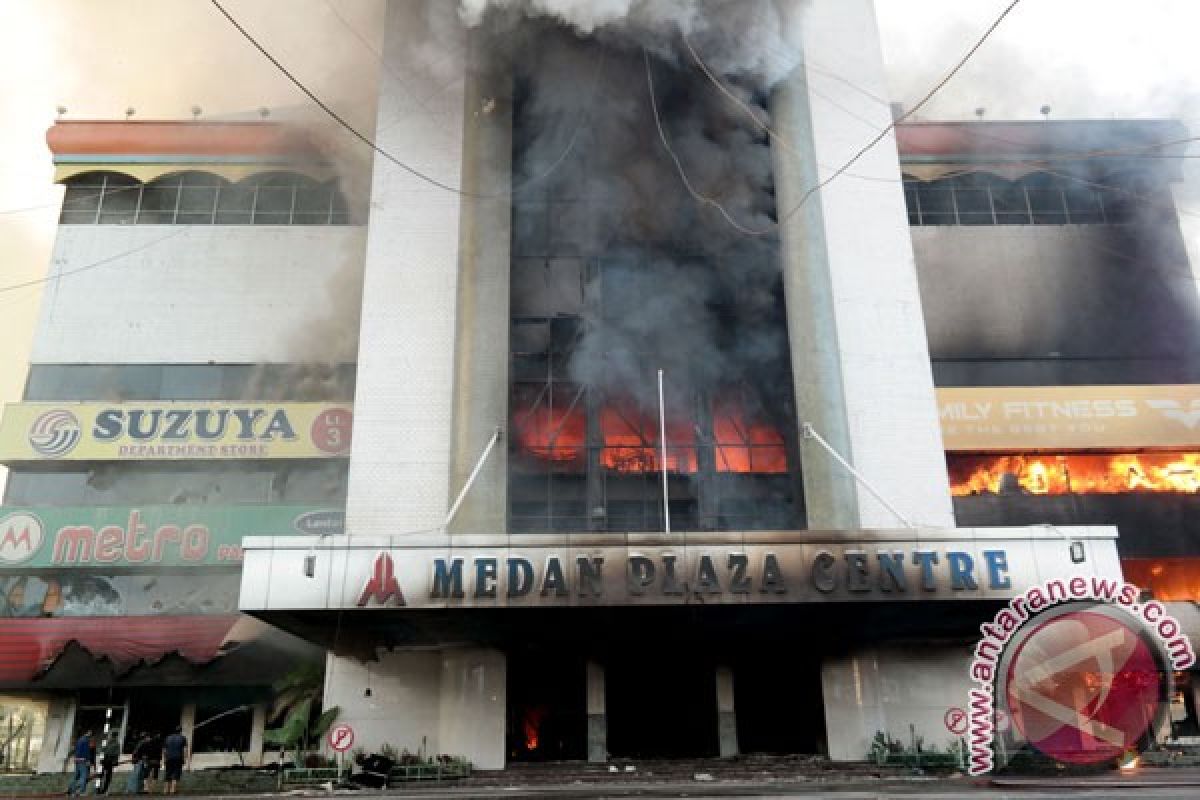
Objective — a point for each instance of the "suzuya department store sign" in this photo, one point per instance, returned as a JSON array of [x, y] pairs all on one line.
[[173, 431], [654, 569], [148, 536]]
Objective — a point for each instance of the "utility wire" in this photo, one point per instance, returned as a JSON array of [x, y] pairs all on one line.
[[812, 190], [95, 264], [917, 107], [379, 150], [703, 199]]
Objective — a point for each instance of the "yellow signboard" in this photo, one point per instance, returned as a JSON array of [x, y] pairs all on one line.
[[1069, 417], [173, 431]]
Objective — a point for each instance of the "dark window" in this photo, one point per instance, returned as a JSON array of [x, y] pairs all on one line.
[[1038, 198], [937, 203], [274, 201], [119, 203], [160, 199], [200, 198], [1084, 206]]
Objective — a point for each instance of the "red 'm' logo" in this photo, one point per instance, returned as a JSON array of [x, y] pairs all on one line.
[[382, 584]]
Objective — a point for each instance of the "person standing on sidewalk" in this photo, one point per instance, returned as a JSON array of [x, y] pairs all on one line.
[[83, 765], [110, 754], [134, 784], [174, 754], [153, 759]]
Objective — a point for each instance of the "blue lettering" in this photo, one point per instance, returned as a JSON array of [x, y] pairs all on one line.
[[961, 567], [997, 569]]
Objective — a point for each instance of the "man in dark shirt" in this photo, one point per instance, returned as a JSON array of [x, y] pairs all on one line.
[[82, 755], [174, 754], [153, 760], [110, 754]]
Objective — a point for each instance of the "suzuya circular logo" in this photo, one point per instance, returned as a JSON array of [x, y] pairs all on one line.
[[55, 433]]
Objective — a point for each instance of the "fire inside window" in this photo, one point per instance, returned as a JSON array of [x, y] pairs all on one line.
[[1074, 473], [617, 272]]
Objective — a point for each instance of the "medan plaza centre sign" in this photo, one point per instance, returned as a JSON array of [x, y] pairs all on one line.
[[660, 569]]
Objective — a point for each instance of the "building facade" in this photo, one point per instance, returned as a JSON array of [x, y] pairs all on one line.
[[158, 428], [670, 438]]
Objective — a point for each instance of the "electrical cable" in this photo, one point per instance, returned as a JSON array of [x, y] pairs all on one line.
[[703, 199], [764, 126], [379, 150], [962, 62], [813, 190], [95, 264]]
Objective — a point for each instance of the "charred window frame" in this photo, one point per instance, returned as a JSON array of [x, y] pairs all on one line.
[[584, 448], [200, 198], [1035, 199]]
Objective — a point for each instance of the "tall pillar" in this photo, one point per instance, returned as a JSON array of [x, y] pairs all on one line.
[[726, 713], [597, 716], [481, 336], [187, 723], [473, 706], [57, 741], [860, 358], [400, 466], [258, 724]]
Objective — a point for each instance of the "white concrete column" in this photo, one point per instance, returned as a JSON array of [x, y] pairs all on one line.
[[726, 713], [597, 714], [399, 469], [481, 339], [402, 708], [258, 724], [56, 742], [890, 687], [860, 356], [473, 705], [187, 722]]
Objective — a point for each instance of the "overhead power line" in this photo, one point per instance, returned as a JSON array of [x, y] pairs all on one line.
[[891, 126], [416, 173], [95, 264]]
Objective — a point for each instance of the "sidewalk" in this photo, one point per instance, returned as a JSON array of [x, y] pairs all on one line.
[[1141, 778]]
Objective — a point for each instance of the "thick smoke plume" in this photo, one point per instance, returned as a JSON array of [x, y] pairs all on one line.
[[610, 233], [744, 37]]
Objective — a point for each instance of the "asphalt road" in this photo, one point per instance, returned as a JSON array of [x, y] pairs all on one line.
[[939, 790]]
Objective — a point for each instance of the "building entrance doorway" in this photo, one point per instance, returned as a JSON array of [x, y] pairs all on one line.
[[779, 705], [661, 705], [547, 706]]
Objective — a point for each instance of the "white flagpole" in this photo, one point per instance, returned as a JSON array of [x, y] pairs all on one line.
[[662, 439]]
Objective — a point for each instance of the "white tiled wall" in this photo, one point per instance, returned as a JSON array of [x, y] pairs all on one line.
[[191, 294], [895, 439], [399, 472]]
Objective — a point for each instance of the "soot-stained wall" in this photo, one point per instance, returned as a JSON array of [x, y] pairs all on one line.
[[1058, 304]]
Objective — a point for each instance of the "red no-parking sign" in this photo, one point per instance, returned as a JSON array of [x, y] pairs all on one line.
[[341, 737], [956, 721]]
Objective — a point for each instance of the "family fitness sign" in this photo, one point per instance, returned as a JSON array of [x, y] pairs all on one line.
[[1083, 668]]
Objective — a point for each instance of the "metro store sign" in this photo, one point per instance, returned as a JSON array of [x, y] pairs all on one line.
[[154, 536]]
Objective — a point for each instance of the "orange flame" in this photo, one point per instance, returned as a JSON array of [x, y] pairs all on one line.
[[530, 726], [1169, 578], [630, 439], [1113, 473]]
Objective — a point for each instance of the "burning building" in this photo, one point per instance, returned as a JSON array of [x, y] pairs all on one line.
[[659, 449], [157, 430]]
